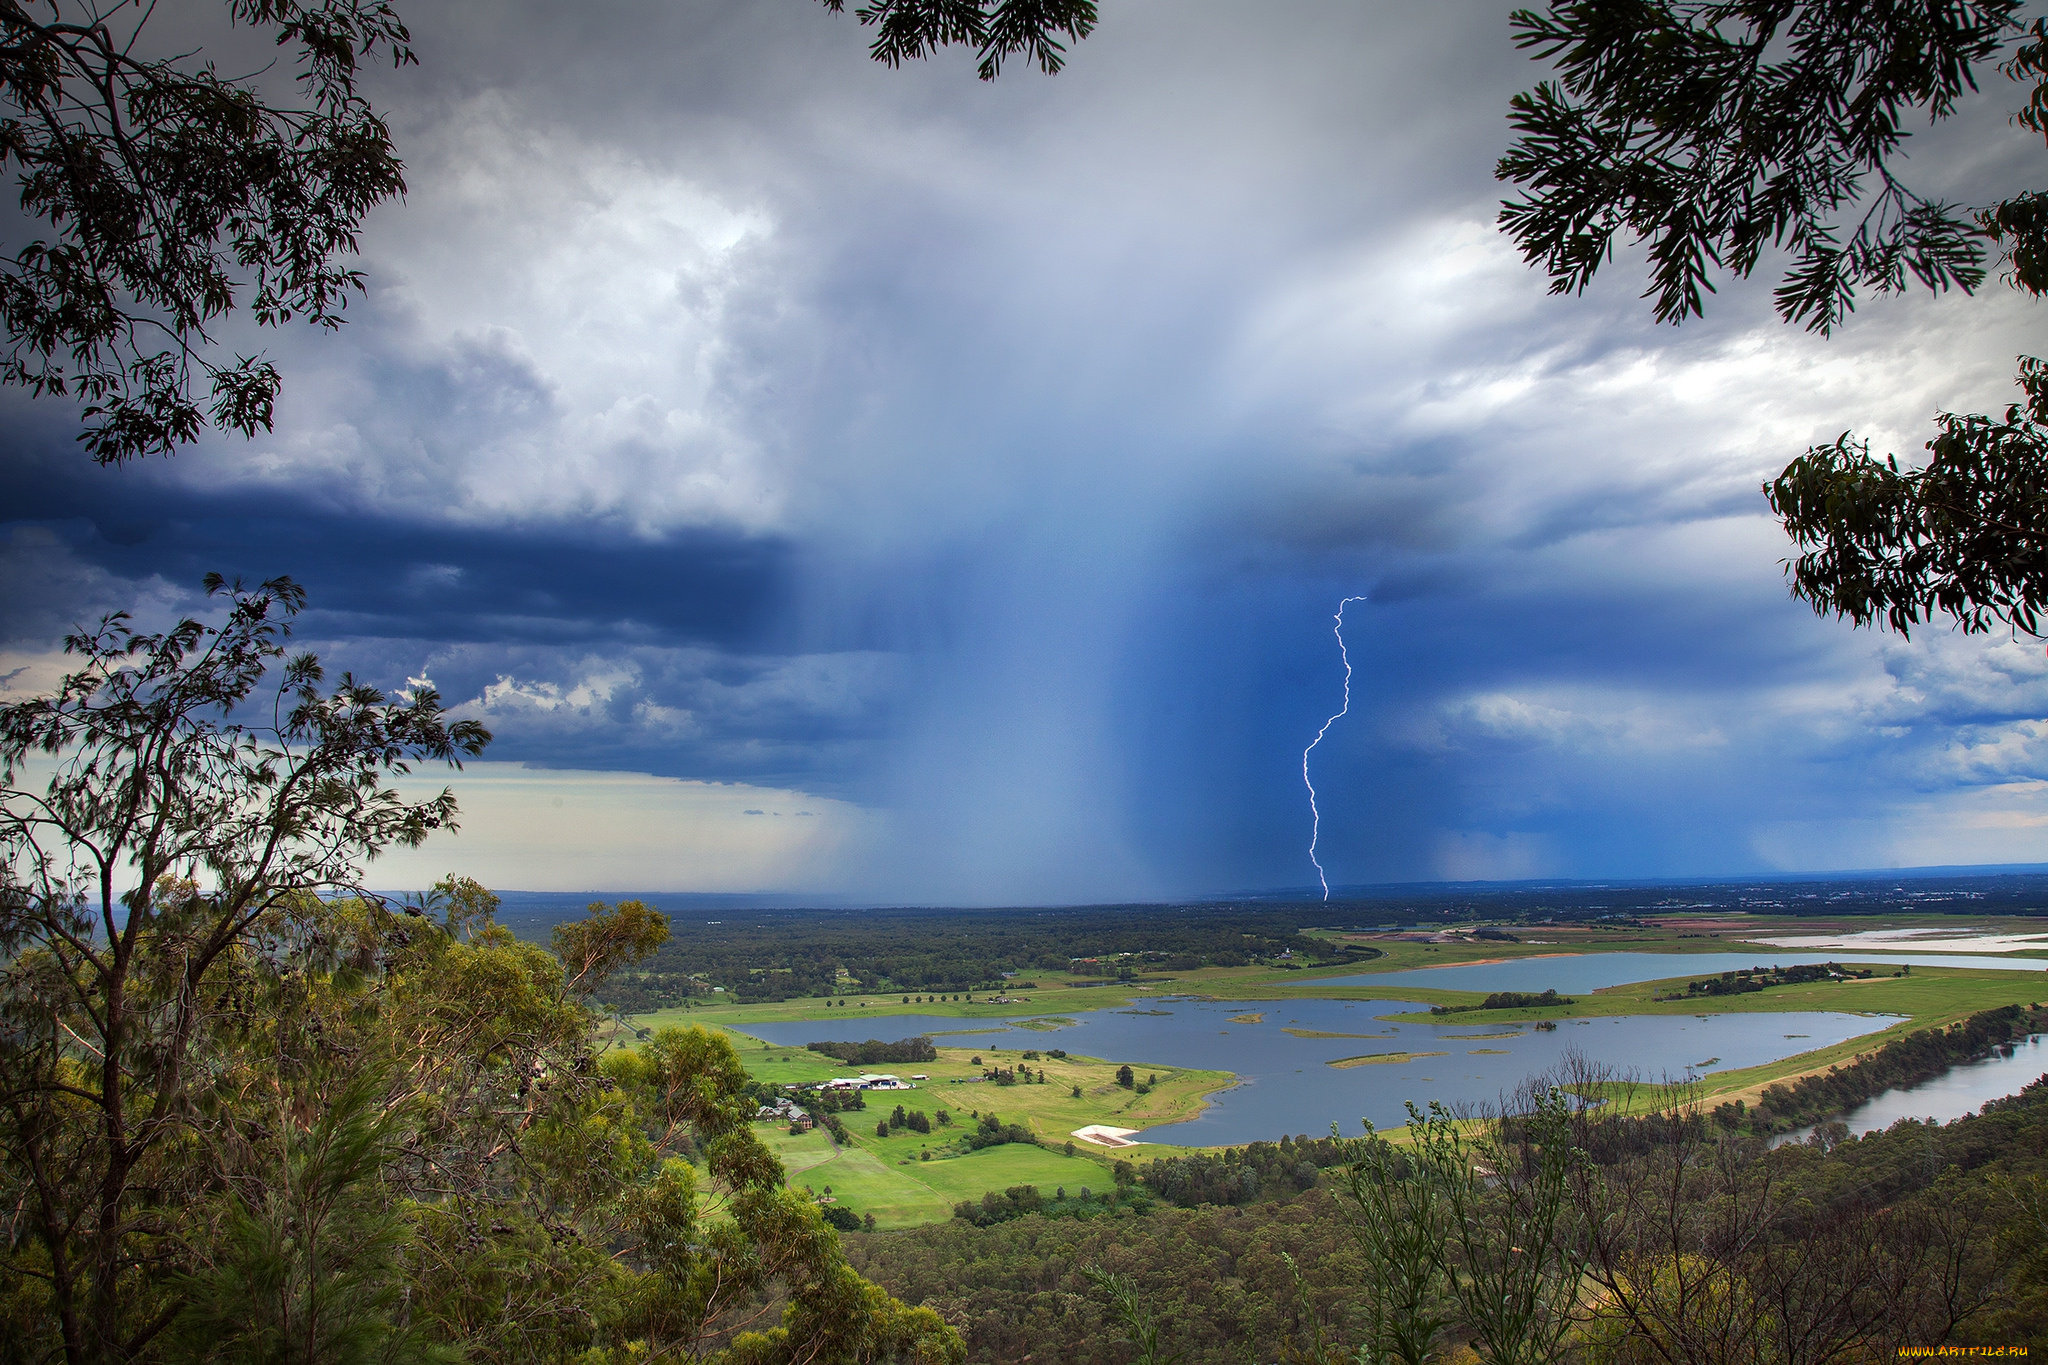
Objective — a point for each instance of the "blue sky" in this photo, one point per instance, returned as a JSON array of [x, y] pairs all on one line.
[[828, 479]]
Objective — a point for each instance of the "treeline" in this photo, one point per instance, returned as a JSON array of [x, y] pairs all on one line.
[[1750, 980], [772, 955], [1240, 1175], [791, 955], [1837, 1248], [874, 1052], [1905, 1061], [1507, 1000], [1022, 1201]]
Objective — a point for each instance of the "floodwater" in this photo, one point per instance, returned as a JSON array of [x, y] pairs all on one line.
[[1958, 1091], [1286, 1085], [1570, 973]]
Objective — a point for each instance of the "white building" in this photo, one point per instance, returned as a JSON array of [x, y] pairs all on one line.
[[870, 1080]]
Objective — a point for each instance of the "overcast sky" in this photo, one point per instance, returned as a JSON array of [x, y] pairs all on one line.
[[828, 479]]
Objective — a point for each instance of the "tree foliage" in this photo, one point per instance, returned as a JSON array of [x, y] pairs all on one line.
[[159, 196], [1718, 133], [1714, 132], [250, 1112], [910, 30], [305, 1265], [1965, 534], [133, 885]]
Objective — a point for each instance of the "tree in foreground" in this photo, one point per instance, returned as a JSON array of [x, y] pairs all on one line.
[[251, 1112], [910, 30], [1468, 1227], [1718, 134], [158, 197], [133, 886], [1635, 1231]]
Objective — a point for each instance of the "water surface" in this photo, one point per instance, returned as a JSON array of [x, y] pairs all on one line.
[[1958, 1091], [1570, 973], [1286, 1085]]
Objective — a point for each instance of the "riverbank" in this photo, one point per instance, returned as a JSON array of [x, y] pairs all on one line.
[[1928, 997]]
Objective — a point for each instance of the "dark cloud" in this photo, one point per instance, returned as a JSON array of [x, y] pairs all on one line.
[[375, 575], [727, 407]]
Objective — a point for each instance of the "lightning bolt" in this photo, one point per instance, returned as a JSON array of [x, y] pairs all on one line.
[[1316, 830]]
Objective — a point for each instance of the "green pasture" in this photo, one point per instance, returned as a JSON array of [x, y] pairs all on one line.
[[1058, 994], [889, 1180], [1051, 1110], [1927, 997]]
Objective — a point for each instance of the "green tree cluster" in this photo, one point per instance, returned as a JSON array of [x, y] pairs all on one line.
[[250, 1112], [1904, 1062], [1557, 1233], [1241, 1175]]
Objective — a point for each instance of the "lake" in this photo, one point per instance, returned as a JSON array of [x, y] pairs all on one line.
[[1569, 973], [1286, 1085], [1958, 1091]]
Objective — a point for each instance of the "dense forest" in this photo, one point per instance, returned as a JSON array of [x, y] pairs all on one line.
[[794, 955], [768, 954], [1668, 1240]]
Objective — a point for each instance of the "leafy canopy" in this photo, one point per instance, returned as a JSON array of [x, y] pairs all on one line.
[[911, 30], [158, 195], [205, 789], [1962, 534], [1716, 133]]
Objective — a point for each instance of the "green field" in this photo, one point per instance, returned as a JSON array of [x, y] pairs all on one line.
[[955, 1083], [1059, 994], [1928, 997], [887, 1179]]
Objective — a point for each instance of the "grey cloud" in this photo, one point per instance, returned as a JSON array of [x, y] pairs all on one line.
[[726, 406]]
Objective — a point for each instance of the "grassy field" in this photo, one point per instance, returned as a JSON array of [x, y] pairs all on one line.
[[890, 1177], [1051, 1110], [1058, 994], [887, 1178], [1928, 997]]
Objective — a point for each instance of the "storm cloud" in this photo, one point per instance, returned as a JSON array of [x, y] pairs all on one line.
[[979, 465]]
